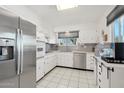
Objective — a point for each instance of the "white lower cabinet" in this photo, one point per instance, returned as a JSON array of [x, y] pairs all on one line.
[[105, 77], [117, 77], [65, 59], [50, 62], [39, 68], [90, 61], [44, 65], [110, 76]]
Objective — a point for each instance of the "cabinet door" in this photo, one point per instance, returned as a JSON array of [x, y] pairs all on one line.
[[68, 62], [105, 77], [54, 60], [37, 71], [98, 74], [46, 65], [90, 61], [61, 59], [95, 70], [40, 69], [50, 63], [65, 59], [117, 77]]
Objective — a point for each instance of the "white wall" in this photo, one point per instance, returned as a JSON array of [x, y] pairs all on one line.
[[101, 26], [87, 32]]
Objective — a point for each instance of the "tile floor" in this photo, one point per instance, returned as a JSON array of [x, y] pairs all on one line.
[[67, 78]]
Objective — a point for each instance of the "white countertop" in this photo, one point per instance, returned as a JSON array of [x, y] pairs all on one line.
[[82, 52], [51, 53], [56, 52], [68, 52]]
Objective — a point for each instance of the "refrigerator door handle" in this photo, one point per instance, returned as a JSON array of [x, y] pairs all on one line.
[[18, 51], [21, 51]]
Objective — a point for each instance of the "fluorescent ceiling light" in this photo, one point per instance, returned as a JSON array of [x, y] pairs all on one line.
[[63, 7]]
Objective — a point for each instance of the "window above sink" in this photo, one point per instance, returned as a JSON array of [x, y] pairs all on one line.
[[68, 38]]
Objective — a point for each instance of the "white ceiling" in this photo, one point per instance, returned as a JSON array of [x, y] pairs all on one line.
[[79, 15]]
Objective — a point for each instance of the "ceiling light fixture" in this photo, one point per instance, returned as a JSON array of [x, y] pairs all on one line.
[[64, 7]]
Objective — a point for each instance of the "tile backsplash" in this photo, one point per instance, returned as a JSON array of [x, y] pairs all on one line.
[[87, 47]]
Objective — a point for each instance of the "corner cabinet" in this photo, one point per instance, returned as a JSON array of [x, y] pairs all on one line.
[[65, 59], [50, 62], [45, 64]]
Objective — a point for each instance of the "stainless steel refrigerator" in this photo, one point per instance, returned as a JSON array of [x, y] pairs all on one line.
[[17, 51]]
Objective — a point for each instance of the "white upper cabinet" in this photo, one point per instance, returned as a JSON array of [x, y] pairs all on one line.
[[40, 36], [52, 38], [88, 36]]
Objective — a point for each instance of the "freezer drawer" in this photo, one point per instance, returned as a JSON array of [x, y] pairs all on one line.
[[80, 60]]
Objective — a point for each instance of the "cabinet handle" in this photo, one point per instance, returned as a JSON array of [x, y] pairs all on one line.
[[112, 69], [108, 70], [99, 80], [108, 73], [101, 67], [99, 73]]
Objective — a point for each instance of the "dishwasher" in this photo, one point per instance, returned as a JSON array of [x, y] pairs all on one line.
[[79, 60]]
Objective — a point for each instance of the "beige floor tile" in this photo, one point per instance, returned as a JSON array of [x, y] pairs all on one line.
[[52, 85], [43, 83], [62, 86], [73, 84], [83, 85], [65, 77], [55, 80], [83, 80], [74, 79], [48, 78], [64, 82]]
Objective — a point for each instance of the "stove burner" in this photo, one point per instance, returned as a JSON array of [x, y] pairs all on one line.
[[112, 60]]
